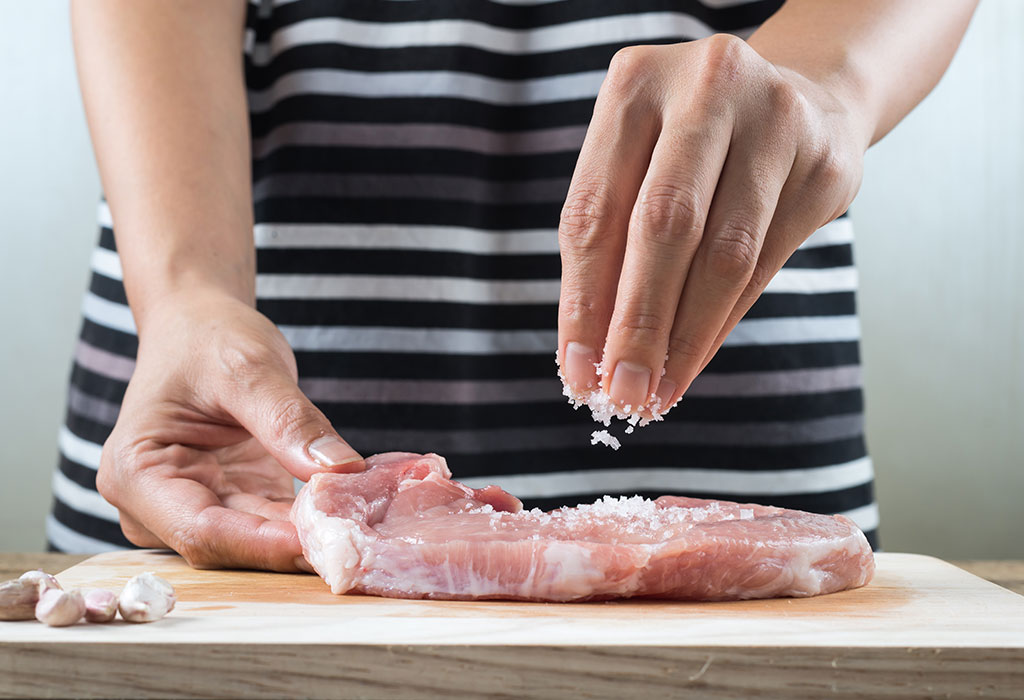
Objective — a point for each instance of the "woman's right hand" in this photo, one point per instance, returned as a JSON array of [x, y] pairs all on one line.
[[212, 429]]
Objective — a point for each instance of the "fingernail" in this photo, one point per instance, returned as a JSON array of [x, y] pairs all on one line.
[[629, 384], [666, 390], [579, 367], [302, 565], [329, 451]]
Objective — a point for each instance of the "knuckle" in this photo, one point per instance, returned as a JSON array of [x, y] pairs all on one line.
[[830, 170], [760, 276], [290, 416], [642, 327], [629, 66], [732, 253], [725, 58], [685, 347], [242, 360], [788, 105], [576, 308], [667, 213], [586, 206]]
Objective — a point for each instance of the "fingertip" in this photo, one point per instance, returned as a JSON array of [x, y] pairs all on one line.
[[335, 455], [579, 370]]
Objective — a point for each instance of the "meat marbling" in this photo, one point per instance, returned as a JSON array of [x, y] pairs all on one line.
[[404, 529]]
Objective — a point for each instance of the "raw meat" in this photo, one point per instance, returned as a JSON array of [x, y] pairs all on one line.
[[404, 529]]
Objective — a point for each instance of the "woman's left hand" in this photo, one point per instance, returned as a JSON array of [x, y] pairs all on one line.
[[704, 167]]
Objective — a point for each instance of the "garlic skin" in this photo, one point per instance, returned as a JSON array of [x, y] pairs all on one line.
[[146, 598], [58, 608], [42, 580], [18, 600], [100, 605]]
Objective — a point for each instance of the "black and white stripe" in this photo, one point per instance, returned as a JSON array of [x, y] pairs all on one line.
[[409, 162]]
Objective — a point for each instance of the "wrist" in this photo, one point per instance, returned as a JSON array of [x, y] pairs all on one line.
[[181, 305], [832, 76]]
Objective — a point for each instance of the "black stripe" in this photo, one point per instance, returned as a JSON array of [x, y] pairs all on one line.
[[78, 473], [558, 413], [107, 288], [88, 429], [786, 305], [825, 256], [89, 525], [418, 263], [339, 210], [730, 18], [409, 314], [637, 456], [97, 385], [434, 110], [108, 339]]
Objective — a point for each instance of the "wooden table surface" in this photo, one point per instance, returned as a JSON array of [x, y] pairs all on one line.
[[1008, 573], [922, 629]]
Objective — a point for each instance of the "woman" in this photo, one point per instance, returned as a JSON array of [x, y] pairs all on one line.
[[404, 168]]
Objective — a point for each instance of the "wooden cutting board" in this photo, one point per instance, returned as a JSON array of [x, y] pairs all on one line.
[[922, 628]]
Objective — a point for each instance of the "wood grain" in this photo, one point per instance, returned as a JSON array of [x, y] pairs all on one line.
[[922, 628], [14, 564]]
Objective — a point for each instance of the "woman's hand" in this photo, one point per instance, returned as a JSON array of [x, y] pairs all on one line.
[[212, 429], [705, 166]]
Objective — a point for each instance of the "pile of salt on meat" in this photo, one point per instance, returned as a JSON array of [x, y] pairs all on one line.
[[404, 529]]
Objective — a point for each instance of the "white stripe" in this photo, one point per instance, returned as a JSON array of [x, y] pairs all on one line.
[[67, 540], [866, 517], [809, 329], [103, 215], [632, 29], [834, 232], [82, 499], [418, 340], [107, 263], [79, 450], [392, 237], [460, 341], [453, 289], [108, 313], [808, 281], [668, 479], [450, 84]]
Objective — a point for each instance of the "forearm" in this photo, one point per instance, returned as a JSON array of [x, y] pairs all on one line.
[[164, 95], [880, 57]]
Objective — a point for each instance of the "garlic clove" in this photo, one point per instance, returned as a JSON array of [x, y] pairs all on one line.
[[58, 608], [18, 600], [100, 605], [42, 580], [146, 598]]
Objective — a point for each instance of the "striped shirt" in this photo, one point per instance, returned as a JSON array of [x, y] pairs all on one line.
[[410, 160]]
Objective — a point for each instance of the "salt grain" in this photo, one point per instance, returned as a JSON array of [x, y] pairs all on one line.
[[605, 438]]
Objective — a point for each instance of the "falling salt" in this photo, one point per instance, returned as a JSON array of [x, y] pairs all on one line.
[[605, 438]]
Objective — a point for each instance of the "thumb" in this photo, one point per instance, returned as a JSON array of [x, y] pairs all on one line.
[[294, 431]]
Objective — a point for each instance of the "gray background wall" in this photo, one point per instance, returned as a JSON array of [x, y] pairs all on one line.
[[940, 226]]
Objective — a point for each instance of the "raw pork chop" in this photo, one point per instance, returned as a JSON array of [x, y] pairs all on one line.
[[404, 529]]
